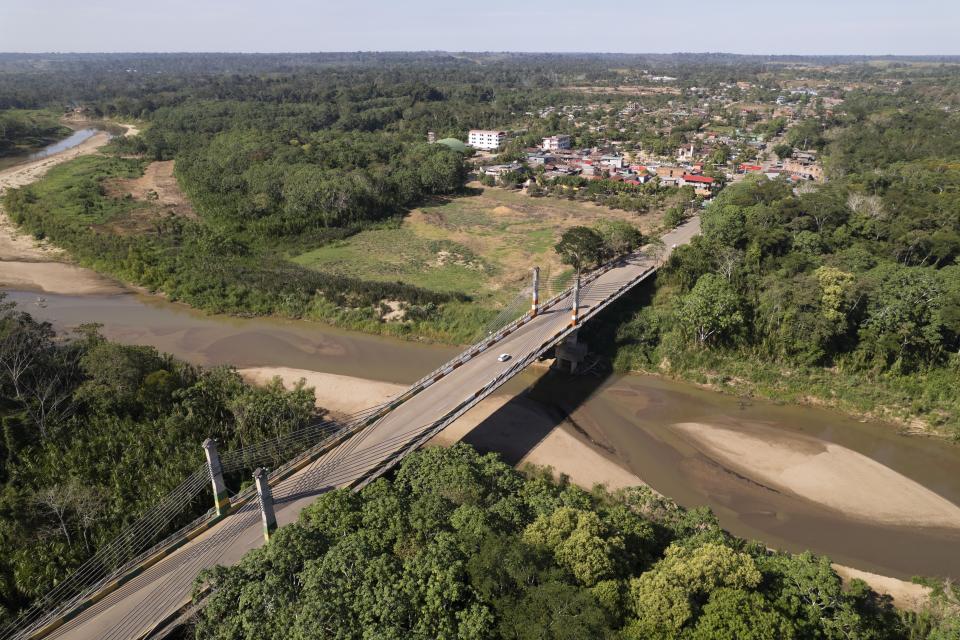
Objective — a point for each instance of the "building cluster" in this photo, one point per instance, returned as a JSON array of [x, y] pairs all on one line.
[[603, 163], [801, 166], [700, 137]]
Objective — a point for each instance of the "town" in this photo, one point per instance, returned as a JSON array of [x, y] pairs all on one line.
[[698, 139]]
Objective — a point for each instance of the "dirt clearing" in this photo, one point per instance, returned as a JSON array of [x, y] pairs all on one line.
[[157, 187]]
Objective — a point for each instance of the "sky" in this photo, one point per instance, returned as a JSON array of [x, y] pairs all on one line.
[[875, 27]]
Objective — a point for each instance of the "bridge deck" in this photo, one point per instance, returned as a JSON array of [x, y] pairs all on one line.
[[138, 606]]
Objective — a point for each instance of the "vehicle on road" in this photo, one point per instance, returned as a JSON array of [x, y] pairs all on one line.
[[503, 357]]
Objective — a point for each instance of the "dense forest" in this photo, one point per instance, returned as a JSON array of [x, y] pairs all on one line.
[[95, 432], [459, 545]]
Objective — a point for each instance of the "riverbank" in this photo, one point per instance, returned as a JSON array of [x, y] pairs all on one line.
[[825, 473], [30, 264], [496, 424], [777, 517]]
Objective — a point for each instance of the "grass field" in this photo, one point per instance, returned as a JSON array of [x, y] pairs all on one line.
[[482, 243]]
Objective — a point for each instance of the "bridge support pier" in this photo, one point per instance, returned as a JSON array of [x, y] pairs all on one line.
[[221, 500], [571, 353], [267, 515]]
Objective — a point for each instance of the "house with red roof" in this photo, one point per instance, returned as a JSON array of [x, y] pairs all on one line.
[[702, 185], [695, 180]]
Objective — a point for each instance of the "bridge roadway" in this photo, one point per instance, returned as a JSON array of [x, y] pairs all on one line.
[[140, 606]]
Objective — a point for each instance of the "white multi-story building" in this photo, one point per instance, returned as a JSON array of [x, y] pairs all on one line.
[[556, 143], [486, 140]]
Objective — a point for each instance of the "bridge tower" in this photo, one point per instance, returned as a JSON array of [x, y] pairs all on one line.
[[261, 478], [575, 316], [220, 498], [535, 308]]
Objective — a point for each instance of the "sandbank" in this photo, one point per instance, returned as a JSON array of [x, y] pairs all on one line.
[[826, 473]]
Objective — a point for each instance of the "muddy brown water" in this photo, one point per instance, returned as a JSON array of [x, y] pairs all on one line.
[[627, 417]]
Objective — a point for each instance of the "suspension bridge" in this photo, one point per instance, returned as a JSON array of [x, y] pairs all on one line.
[[140, 586]]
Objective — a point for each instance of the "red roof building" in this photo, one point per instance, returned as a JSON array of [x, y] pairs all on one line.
[[689, 177]]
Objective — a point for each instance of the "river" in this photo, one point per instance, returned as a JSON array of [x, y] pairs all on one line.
[[631, 418]]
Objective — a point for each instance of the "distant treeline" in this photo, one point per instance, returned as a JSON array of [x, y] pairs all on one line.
[[39, 80]]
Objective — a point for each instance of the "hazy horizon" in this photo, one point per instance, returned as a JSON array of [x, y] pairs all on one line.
[[857, 27], [486, 52]]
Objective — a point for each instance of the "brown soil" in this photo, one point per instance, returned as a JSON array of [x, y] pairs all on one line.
[[158, 187], [496, 222]]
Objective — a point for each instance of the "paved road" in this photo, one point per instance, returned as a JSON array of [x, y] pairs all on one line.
[[139, 605]]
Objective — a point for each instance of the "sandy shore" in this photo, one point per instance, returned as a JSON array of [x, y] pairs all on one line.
[[906, 595], [31, 265], [55, 277], [825, 473]]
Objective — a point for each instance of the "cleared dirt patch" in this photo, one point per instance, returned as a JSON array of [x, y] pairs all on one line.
[[157, 188]]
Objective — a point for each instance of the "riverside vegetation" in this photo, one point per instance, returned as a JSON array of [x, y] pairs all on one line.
[[453, 544], [25, 130]]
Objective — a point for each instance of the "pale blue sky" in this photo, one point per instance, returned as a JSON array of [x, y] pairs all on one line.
[[927, 27]]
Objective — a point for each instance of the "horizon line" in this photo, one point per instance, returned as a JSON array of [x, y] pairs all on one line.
[[494, 52]]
